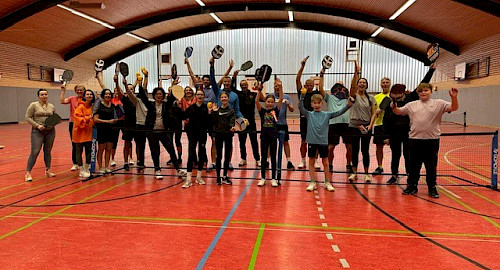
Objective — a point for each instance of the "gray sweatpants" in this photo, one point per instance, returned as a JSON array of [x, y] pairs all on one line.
[[39, 139]]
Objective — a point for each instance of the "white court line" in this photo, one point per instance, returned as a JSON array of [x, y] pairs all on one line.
[[316, 196], [318, 203], [335, 248], [447, 190], [321, 216], [320, 209], [324, 224], [315, 191], [344, 263], [329, 236]]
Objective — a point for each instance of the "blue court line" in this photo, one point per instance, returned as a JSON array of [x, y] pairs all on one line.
[[224, 225]]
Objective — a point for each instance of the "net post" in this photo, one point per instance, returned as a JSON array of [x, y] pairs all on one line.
[[494, 161], [281, 139], [465, 119], [94, 150]]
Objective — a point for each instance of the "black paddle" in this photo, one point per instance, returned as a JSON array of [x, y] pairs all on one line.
[[217, 52], [174, 72], [124, 69], [433, 52], [246, 66], [67, 76], [52, 120], [188, 52], [263, 74]]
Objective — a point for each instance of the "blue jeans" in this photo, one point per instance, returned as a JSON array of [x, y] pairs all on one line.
[[39, 139]]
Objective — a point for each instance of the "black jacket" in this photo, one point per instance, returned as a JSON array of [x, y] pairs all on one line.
[[151, 115]]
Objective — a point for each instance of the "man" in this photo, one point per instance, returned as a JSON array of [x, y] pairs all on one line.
[[379, 136]]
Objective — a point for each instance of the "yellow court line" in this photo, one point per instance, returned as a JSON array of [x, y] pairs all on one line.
[[285, 225], [445, 157], [479, 167], [62, 210], [27, 183], [475, 193], [37, 187]]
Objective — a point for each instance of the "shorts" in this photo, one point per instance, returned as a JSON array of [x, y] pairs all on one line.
[[303, 128], [313, 148], [105, 135], [128, 133], [287, 132], [335, 131], [379, 135]]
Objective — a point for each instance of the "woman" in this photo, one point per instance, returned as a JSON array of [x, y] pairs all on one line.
[[82, 131], [105, 118], [199, 121], [363, 114], [73, 101], [223, 126], [182, 104], [36, 114]]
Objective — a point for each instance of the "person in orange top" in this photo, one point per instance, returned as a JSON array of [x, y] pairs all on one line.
[[83, 120]]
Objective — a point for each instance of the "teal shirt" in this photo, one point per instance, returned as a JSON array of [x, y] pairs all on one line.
[[335, 104]]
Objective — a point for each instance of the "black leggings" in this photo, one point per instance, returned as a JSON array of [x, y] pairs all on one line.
[[140, 144], [79, 151], [154, 139], [265, 146], [200, 140], [250, 131], [73, 145], [395, 142], [365, 147], [423, 151], [223, 140]]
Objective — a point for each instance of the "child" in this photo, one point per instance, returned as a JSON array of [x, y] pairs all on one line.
[[425, 119], [268, 135], [317, 136]]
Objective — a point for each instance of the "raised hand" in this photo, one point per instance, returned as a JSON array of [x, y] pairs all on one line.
[[303, 62], [231, 63], [453, 92]]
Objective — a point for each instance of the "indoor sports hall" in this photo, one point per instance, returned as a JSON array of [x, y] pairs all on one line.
[[143, 212]]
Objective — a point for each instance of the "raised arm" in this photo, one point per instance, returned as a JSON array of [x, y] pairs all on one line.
[[354, 82], [234, 80], [231, 65], [118, 89], [258, 97], [190, 71], [62, 99], [298, 83], [280, 91], [454, 100], [146, 76], [215, 87], [100, 80], [322, 82]]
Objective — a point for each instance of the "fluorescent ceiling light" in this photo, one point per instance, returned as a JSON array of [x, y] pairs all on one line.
[[215, 17], [200, 3], [290, 16], [287, 1], [378, 31], [137, 37], [78, 13], [402, 9]]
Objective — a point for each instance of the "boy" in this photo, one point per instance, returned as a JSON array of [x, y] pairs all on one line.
[[317, 136], [425, 119]]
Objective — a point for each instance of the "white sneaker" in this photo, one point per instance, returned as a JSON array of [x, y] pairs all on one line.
[[74, 167], [368, 178], [302, 165], [158, 175], [82, 172], [200, 181], [353, 177], [262, 182], [258, 163], [316, 166], [181, 173], [311, 187], [274, 183], [112, 163], [329, 187], [242, 163], [102, 172], [131, 162], [108, 170], [187, 184]]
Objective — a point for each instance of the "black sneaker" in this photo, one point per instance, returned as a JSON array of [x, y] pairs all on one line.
[[225, 180], [219, 181], [410, 190], [433, 193], [378, 171], [290, 166], [126, 167], [169, 162], [393, 180], [349, 168]]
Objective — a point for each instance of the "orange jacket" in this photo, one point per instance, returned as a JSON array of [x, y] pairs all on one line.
[[83, 122]]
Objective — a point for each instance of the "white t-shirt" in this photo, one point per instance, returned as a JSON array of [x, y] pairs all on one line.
[[425, 117]]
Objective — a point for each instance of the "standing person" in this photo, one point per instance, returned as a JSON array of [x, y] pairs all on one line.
[[175, 115], [36, 114], [309, 86], [362, 117], [196, 128], [73, 101], [269, 131], [425, 120], [105, 117], [339, 126], [282, 124], [247, 107], [119, 124], [379, 133], [223, 124], [317, 137], [82, 131]]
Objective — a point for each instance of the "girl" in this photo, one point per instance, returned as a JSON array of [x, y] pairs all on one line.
[[199, 121], [363, 114], [268, 135], [223, 127], [36, 114], [82, 131], [105, 118]]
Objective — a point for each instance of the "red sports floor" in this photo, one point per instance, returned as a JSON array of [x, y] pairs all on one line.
[[129, 221]]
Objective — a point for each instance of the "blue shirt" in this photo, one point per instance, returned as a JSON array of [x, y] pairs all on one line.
[[233, 97], [335, 104], [284, 108], [209, 95]]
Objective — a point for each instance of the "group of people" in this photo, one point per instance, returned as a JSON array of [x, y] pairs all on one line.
[[396, 117]]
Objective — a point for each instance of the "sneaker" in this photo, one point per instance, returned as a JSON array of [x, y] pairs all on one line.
[[353, 177], [258, 163], [181, 173], [330, 167], [393, 180], [108, 171], [169, 162], [302, 165], [378, 171], [112, 163], [274, 183], [187, 184], [348, 168], [126, 167], [131, 162], [158, 175], [225, 180], [28, 178], [49, 174], [74, 167], [102, 172], [140, 169], [242, 163], [316, 166], [211, 167], [231, 168], [311, 186], [200, 181], [290, 166], [329, 187], [262, 182], [410, 190], [433, 193], [368, 178], [219, 181]]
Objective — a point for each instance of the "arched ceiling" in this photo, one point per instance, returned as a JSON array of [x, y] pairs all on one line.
[[453, 24]]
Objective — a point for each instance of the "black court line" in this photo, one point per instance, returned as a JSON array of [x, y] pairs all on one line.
[[418, 233]]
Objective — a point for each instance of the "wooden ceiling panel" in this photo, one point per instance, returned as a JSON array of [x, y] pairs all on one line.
[[9, 6], [253, 15], [109, 48], [165, 27], [336, 21], [379, 8], [404, 40]]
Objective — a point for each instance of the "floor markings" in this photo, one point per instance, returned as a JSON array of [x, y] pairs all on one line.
[[344, 263], [321, 216], [324, 224], [335, 248], [451, 193], [329, 236], [318, 203], [320, 209]]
